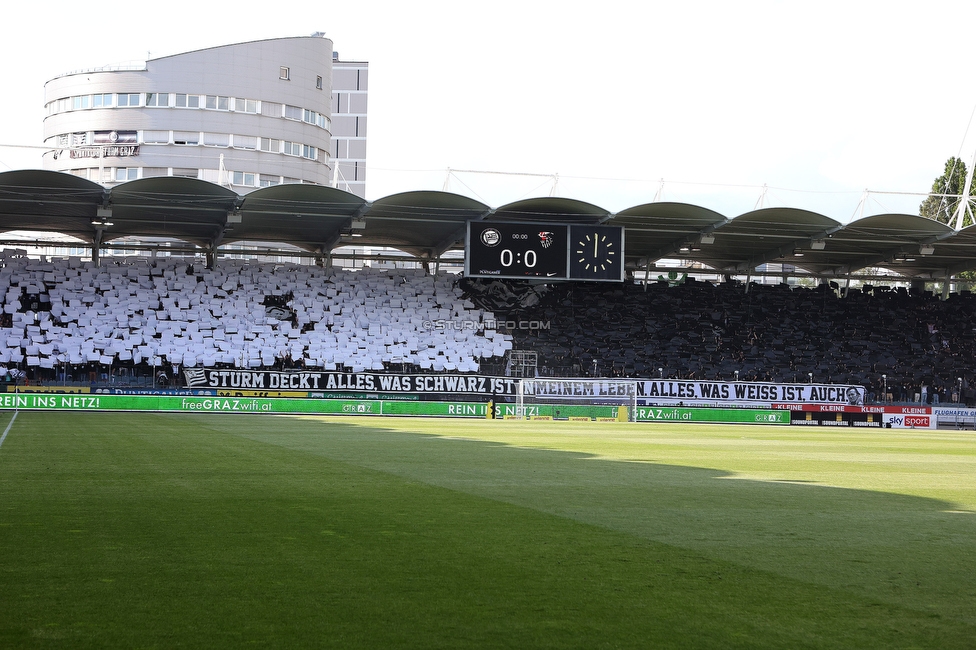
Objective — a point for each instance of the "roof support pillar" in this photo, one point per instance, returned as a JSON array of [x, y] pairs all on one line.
[[97, 245], [945, 285]]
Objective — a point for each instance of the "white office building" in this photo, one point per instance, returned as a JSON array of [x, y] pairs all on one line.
[[245, 116]]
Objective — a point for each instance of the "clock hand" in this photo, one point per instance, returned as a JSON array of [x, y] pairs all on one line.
[[595, 250]]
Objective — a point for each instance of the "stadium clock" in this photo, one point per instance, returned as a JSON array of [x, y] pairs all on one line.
[[596, 253], [516, 250]]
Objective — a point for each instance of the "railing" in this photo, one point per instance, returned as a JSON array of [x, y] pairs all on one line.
[[125, 66]]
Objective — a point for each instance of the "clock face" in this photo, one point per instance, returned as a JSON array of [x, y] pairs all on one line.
[[596, 253]]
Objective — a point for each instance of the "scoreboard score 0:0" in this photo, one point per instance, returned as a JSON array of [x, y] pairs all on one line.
[[518, 250]]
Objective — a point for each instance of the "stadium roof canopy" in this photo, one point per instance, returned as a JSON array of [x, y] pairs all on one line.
[[425, 224]]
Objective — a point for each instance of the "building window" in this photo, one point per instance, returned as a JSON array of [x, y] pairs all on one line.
[[309, 152], [157, 99], [267, 180], [284, 73], [126, 173], [102, 101], [270, 144], [293, 112], [79, 102], [246, 105], [187, 101], [318, 82], [216, 140], [127, 99], [185, 172], [245, 178], [245, 142], [219, 103], [292, 149], [186, 137], [155, 137]]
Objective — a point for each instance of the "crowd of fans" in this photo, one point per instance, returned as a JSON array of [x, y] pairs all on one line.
[[149, 318], [901, 346], [72, 320]]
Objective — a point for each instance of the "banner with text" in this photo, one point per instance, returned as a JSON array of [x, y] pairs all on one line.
[[718, 393], [649, 392], [349, 381], [611, 390]]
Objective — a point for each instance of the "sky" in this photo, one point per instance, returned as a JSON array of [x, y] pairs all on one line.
[[844, 108]]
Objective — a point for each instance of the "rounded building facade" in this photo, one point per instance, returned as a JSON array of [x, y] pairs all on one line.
[[245, 116]]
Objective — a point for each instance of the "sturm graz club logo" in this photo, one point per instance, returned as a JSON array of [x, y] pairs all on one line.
[[545, 237], [490, 237], [195, 377]]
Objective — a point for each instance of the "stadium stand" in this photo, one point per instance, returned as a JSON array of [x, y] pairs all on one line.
[[68, 319], [72, 317], [699, 330]]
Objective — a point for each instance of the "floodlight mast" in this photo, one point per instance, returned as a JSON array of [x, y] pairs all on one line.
[[963, 206]]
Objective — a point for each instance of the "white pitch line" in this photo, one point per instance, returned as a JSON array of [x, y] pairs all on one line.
[[7, 430]]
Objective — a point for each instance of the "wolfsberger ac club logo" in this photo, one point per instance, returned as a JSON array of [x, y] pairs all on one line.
[[490, 237]]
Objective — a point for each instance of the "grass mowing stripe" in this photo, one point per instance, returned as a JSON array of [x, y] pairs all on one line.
[[896, 548], [7, 430], [159, 531]]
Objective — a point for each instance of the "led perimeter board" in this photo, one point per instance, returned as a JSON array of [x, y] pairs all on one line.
[[518, 250]]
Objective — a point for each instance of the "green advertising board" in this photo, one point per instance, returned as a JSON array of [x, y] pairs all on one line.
[[557, 411], [718, 416], [195, 404], [270, 405]]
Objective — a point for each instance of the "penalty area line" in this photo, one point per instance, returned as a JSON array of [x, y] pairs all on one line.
[[7, 430]]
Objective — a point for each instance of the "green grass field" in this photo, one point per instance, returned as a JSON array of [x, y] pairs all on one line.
[[225, 531]]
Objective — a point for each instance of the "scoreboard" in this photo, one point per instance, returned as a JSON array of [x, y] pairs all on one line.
[[555, 251]]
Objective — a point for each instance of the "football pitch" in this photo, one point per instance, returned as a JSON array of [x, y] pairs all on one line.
[[230, 531]]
